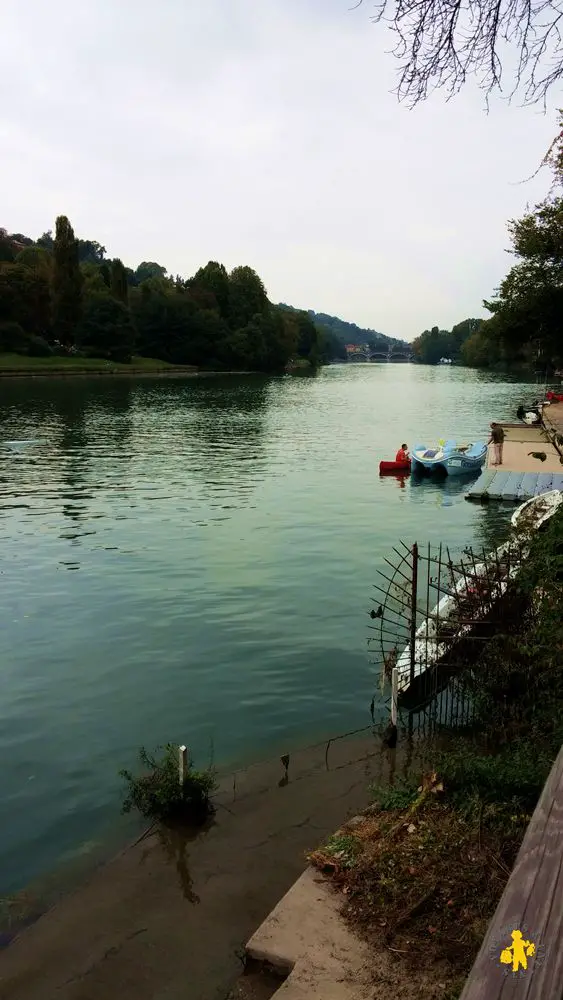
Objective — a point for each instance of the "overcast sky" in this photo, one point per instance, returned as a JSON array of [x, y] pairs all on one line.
[[262, 132]]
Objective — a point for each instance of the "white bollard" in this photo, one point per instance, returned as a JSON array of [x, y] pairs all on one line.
[[182, 764], [394, 694]]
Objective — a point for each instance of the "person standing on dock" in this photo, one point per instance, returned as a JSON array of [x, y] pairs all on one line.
[[497, 441]]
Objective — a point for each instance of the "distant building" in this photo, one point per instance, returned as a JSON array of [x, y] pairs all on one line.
[[357, 348]]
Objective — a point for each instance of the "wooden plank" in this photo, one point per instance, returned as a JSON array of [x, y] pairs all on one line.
[[481, 485], [512, 485], [545, 480], [497, 486], [528, 486], [532, 902]]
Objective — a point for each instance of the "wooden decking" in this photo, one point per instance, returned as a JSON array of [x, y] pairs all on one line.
[[553, 422], [493, 485], [532, 903], [522, 475]]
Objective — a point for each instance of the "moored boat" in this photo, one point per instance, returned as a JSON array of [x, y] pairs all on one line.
[[437, 633], [529, 414], [449, 458], [394, 468]]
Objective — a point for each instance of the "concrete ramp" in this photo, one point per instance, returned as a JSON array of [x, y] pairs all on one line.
[[306, 937]]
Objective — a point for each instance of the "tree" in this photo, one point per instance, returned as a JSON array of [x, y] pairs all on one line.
[[330, 347], [106, 329], [24, 299], [171, 327], [66, 283], [6, 249], [440, 44], [480, 350], [119, 286], [526, 314], [46, 240], [461, 333], [148, 269], [247, 296], [213, 280], [525, 323], [13, 338], [90, 252], [432, 345], [95, 279], [36, 258]]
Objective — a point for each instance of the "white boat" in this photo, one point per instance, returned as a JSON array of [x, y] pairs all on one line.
[[529, 415], [536, 511], [429, 647]]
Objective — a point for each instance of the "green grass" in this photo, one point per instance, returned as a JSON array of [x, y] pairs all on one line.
[[21, 362]]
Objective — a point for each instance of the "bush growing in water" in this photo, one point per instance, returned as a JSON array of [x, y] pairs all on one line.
[[158, 794]]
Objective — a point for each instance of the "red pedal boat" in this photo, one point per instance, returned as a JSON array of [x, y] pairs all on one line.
[[394, 468]]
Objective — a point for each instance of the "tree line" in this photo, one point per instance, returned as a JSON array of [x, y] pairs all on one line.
[[434, 344], [63, 295], [524, 328]]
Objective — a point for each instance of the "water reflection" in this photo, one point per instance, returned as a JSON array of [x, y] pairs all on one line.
[[226, 432]]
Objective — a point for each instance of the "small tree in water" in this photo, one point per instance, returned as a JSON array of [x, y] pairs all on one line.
[[158, 794]]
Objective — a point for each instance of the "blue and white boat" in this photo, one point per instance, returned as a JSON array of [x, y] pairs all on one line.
[[449, 457]]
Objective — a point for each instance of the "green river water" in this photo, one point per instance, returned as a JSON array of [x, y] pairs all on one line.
[[192, 560]]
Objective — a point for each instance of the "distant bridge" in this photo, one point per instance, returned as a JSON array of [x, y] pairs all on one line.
[[390, 355]]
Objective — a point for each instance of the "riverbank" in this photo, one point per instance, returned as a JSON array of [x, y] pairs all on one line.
[[422, 871], [19, 366], [173, 910]]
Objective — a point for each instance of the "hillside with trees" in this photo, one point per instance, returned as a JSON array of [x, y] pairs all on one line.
[[338, 333], [64, 296]]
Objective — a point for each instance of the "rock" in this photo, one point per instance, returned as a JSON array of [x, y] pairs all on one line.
[[355, 821]]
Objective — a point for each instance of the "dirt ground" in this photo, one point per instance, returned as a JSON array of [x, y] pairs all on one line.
[[420, 884], [169, 917]]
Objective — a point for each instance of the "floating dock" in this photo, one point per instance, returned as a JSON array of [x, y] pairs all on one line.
[[532, 462]]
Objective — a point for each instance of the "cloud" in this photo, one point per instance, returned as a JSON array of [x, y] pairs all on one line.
[[264, 134]]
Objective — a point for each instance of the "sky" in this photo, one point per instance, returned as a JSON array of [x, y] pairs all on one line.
[[263, 132]]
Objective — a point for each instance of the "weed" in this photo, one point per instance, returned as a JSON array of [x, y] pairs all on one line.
[[157, 794], [399, 796]]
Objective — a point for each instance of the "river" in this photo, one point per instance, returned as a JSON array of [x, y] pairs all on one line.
[[192, 560]]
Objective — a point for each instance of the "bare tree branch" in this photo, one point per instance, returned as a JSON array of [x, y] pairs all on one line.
[[439, 43]]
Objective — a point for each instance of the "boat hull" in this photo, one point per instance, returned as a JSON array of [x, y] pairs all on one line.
[[449, 460], [429, 649], [394, 468], [460, 465]]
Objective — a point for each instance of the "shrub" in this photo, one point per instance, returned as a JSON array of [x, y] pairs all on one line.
[[157, 794], [13, 339], [38, 347], [398, 796]]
